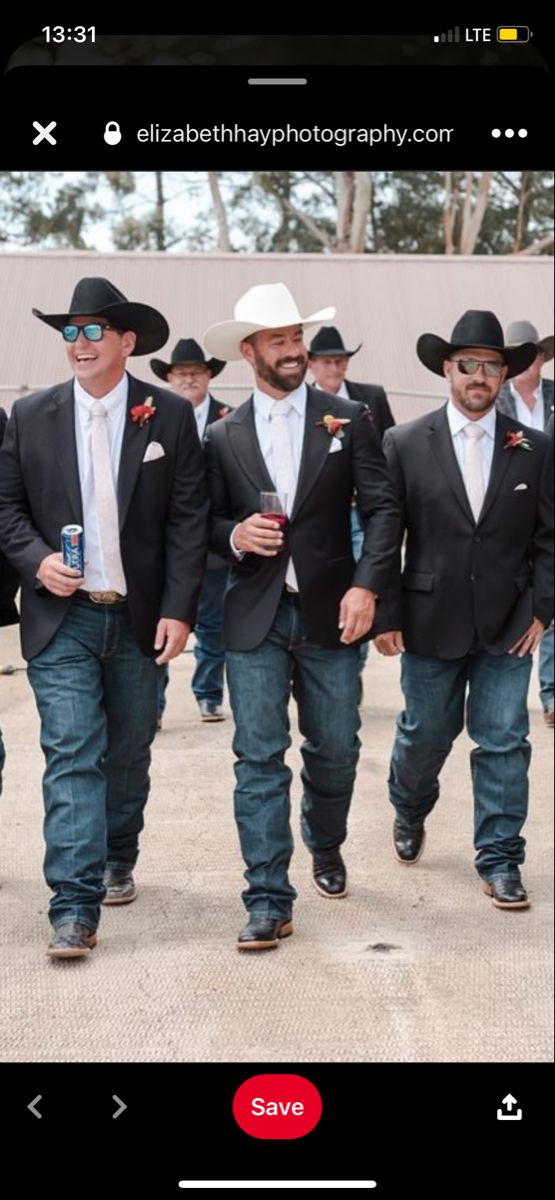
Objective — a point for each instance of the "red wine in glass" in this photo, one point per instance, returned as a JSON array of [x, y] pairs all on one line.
[[273, 507]]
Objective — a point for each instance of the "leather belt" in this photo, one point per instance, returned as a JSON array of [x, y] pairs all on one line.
[[103, 597]]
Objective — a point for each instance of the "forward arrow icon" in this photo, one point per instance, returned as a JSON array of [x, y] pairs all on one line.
[[121, 1107]]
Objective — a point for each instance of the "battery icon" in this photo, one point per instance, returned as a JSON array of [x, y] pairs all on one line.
[[513, 33]]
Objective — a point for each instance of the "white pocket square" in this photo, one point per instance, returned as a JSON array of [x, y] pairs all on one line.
[[521, 487], [153, 450], [335, 446]]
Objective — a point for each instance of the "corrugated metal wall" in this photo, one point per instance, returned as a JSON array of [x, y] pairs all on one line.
[[384, 301]]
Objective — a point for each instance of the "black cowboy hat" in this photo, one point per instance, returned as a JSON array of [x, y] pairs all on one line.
[[328, 342], [186, 351], [475, 329], [96, 297]]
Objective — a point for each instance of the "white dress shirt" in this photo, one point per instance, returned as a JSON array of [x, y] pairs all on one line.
[[263, 405], [534, 417], [201, 416], [341, 391], [457, 421], [116, 404]]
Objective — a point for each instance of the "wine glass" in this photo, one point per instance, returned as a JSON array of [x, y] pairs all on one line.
[[273, 506]]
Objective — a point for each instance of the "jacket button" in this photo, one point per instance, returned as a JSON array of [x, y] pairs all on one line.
[[477, 538], [472, 577]]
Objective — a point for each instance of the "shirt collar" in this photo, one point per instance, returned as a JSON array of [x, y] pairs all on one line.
[[457, 420], [517, 396], [263, 403], [201, 410], [111, 401], [341, 391]]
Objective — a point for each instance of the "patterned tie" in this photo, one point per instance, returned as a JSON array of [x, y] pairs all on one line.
[[473, 473], [284, 468], [106, 501]]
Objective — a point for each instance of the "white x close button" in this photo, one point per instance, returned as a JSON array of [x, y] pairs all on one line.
[[44, 132]]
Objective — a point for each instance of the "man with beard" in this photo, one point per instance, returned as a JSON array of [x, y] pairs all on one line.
[[475, 597], [297, 606]]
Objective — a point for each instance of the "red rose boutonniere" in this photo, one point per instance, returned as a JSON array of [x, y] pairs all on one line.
[[142, 413], [514, 440], [333, 425]]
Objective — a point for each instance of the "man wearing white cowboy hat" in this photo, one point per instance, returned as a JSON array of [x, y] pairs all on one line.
[[529, 399], [190, 374], [475, 596], [122, 460], [297, 606]]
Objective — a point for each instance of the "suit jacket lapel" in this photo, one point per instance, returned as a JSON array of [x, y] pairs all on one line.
[[316, 445], [245, 444], [442, 446], [499, 465], [66, 448], [547, 393], [134, 444]]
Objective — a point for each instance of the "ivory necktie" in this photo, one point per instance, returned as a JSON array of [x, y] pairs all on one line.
[[106, 500], [473, 473], [284, 468]]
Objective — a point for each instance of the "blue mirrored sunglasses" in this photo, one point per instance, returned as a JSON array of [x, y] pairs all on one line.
[[93, 332]]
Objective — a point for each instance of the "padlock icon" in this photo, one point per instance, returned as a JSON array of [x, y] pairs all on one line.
[[112, 133]]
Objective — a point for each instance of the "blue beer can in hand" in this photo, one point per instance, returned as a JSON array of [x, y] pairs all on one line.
[[73, 547]]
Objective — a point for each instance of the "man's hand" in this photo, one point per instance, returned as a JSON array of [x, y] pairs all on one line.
[[356, 614], [171, 638], [529, 640], [57, 578], [258, 535], [390, 643]]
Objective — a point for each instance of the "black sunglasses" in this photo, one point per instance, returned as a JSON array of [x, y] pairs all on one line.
[[93, 332], [469, 366]]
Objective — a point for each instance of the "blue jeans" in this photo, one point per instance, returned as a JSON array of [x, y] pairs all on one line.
[[96, 696], [357, 539], [2, 759], [208, 679], [497, 721], [325, 686], [545, 669]]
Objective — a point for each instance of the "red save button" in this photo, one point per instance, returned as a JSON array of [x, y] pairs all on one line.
[[277, 1106]]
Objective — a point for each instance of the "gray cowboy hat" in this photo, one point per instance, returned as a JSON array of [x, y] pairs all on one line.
[[524, 331]]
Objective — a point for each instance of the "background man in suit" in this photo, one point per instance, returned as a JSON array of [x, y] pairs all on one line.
[[123, 460], [296, 605], [529, 399], [9, 584], [328, 360], [189, 374], [477, 593]]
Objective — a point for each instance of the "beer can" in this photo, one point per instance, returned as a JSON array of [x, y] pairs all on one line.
[[73, 547]]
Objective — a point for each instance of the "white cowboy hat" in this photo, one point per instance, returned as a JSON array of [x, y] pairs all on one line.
[[266, 306]]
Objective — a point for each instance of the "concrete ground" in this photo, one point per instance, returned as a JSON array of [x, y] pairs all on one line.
[[414, 965]]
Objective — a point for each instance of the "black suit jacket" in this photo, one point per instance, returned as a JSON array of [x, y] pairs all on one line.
[[318, 534], [506, 402], [464, 580], [163, 508], [9, 581], [376, 399], [216, 411]]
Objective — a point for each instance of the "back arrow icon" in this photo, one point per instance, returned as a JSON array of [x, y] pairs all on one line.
[[34, 1110], [119, 1110]]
